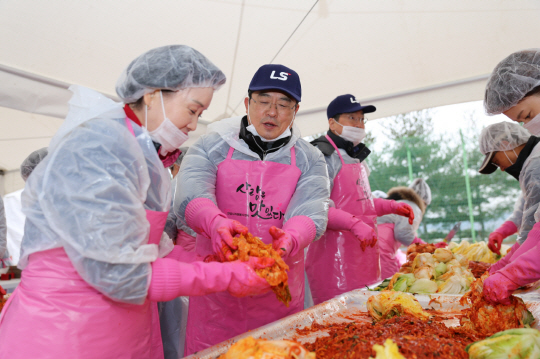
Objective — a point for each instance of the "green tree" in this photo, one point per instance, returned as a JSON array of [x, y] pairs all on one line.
[[439, 160]]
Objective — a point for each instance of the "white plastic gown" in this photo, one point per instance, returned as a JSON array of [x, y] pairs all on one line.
[[333, 163], [529, 181], [517, 216], [89, 196], [197, 176], [174, 222], [3, 231], [404, 233]]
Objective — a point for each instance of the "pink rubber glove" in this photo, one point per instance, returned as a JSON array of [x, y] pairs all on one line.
[[297, 233], [389, 206], [171, 279], [498, 289], [205, 218], [340, 220], [418, 240], [497, 236], [503, 262]]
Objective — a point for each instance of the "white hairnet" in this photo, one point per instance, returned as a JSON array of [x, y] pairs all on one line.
[[32, 161], [172, 67], [379, 194], [512, 79], [502, 136], [422, 189]]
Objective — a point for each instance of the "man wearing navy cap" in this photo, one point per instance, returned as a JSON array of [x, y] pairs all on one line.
[[254, 174], [347, 255]]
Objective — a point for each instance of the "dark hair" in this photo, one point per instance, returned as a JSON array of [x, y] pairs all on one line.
[[139, 103], [336, 117], [534, 92]]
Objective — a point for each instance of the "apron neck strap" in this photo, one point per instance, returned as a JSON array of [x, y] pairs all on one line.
[[130, 126], [337, 149], [231, 150], [293, 156]]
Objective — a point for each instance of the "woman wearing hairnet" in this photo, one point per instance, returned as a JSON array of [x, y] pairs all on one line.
[[514, 90], [92, 252], [395, 230], [511, 148]]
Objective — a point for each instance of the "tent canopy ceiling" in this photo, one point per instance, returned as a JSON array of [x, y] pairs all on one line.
[[402, 55]]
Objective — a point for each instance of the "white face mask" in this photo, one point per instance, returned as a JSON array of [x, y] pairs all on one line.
[[167, 134], [533, 126], [254, 132], [352, 134]]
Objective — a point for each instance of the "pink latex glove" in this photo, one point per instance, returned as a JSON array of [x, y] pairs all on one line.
[[340, 220], [389, 206], [497, 236], [498, 289], [442, 244], [532, 240], [297, 233], [503, 262], [171, 279], [418, 240], [205, 218]]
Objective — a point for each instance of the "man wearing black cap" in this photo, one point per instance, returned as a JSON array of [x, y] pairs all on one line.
[[253, 173], [347, 255]]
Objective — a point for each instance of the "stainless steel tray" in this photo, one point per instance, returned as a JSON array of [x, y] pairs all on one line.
[[340, 309]]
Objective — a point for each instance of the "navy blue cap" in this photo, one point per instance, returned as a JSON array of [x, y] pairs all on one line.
[[347, 104], [277, 77]]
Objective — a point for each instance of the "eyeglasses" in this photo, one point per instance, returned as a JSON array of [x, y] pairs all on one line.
[[283, 107], [354, 120]]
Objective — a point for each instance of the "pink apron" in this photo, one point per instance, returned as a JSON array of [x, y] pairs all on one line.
[[66, 317], [255, 193], [335, 264], [389, 248]]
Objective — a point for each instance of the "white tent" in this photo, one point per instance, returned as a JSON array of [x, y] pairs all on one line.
[[398, 55]]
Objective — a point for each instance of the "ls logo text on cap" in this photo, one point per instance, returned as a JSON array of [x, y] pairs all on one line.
[[353, 100], [282, 76]]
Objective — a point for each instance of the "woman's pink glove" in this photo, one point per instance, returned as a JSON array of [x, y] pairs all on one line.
[[340, 220], [297, 233], [497, 236], [171, 279], [418, 240], [205, 218], [389, 206], [498, 289], [503, 262]]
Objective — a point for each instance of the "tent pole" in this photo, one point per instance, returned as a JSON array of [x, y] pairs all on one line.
[[468, 185], [409, 160]]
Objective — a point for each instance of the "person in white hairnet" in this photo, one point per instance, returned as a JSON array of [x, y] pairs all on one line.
[[511, 148], [395, 230], [94, 257], [13, 212], [514, 90], [253, 173]]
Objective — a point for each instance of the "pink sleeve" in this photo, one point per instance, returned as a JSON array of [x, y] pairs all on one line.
[[384, 206]]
